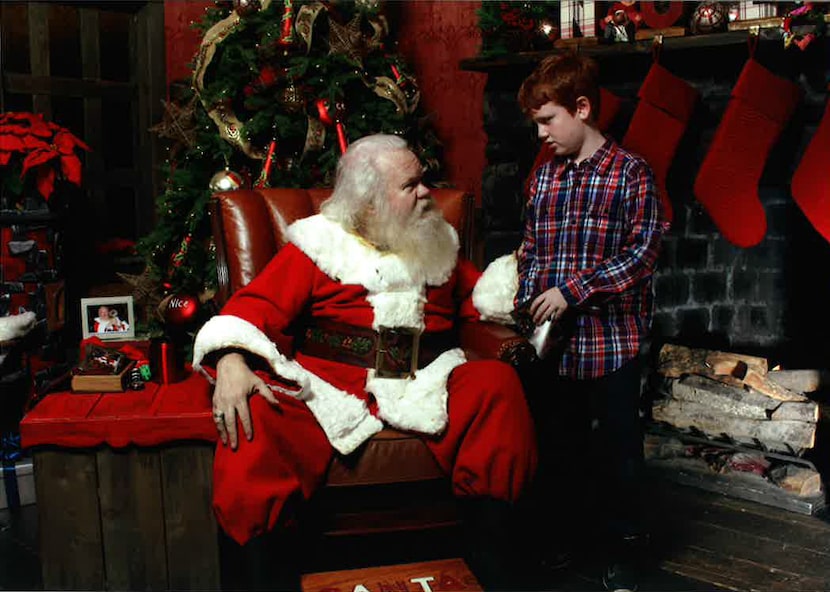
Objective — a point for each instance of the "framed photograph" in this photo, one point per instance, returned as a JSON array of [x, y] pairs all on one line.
[[108, 318]]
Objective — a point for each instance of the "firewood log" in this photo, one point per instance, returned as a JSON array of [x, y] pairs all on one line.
[[802, 380], [731, 400], [777, 435]]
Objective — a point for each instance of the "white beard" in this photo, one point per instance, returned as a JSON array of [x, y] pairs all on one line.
[[423, 240]]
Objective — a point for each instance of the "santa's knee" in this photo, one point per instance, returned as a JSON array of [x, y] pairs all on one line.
[[497, 384]]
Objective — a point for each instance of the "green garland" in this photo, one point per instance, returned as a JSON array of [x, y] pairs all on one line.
[[510, 26]]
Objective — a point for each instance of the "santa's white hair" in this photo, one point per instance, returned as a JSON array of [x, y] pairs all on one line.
[[360, 180], [360, 204]]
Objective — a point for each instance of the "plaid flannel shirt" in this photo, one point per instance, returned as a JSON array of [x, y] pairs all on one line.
[[594, 231]]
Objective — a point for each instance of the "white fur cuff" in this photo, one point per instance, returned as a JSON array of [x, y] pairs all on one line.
[[224, 331], [496, 290], [18, 325]]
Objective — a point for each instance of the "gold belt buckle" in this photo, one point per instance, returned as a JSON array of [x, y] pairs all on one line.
[[397, 352]]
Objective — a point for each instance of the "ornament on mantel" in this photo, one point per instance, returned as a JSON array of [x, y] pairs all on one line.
[[709, 17], [226, 180]]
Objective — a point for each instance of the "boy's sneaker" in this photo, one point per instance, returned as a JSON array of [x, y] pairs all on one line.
[[556, 559], [620, 577]]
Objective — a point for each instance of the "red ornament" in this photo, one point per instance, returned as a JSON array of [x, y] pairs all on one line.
[[266, 169], [328, 119], [180, 310], [287, 33]]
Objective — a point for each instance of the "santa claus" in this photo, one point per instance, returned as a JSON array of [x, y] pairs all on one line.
[[379, 267]]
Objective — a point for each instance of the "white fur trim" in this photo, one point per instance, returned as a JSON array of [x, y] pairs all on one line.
[[397, 292], [418, 404], [17, 325], [496, 289], [350, 259], [224, 331], [345, 418], [398, 309]]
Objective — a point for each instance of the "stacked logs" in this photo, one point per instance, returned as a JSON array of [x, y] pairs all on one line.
[[736, 396]]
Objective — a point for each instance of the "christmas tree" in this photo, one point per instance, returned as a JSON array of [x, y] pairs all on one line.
[[278, 90]]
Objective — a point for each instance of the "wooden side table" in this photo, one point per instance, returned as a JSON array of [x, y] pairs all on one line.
[[123, 486]]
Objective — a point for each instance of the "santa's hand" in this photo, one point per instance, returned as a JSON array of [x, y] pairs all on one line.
[[548, 306], [235, 382]]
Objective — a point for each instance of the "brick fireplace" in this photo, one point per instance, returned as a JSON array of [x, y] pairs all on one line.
[[768, 299]]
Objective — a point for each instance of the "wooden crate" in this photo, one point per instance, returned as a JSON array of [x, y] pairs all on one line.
[[123, 488], [447, 575], [127, 519]]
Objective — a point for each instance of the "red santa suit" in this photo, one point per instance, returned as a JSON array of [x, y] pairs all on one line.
[[473, 414]]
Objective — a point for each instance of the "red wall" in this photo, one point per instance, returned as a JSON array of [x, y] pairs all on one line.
[[434, 36]]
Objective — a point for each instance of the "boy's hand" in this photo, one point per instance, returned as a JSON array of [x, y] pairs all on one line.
[[549, 305]]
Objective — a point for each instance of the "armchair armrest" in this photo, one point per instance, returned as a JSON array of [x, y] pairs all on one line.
[[483, 339]]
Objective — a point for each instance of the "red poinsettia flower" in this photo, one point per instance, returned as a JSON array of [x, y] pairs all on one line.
[[42, 150]]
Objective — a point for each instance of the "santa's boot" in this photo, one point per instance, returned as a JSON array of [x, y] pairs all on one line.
[[490, 543], [266, 562]]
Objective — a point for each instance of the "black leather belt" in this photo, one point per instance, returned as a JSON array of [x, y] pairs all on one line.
[[394, 352]]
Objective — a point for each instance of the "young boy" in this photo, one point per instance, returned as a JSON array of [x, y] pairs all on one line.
[[592, 235]]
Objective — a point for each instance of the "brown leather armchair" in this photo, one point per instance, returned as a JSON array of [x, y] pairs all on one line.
[[248, 229]]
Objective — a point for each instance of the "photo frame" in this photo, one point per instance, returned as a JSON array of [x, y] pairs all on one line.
[[119, 322]]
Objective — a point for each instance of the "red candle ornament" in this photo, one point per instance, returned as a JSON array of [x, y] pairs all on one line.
[[323, 111], [266, 168], [287, 33], [326, 117]]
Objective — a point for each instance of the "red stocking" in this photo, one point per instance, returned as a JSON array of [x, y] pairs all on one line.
[[811, 182], [727, 183], [609, 106], [659, 122]]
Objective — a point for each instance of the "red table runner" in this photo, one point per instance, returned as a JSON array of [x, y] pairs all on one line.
[[156, 415]]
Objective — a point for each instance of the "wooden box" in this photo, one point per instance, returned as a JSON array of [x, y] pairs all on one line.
[[101, 383], [445, 574]]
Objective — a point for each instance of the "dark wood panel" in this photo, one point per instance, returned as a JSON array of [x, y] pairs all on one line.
[[192, 543], [132, 519], [151, 68], [39, 54], [70, 87], [93, 132], [66, 486]]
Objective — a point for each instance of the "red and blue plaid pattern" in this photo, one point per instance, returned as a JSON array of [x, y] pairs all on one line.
[[594, 231]]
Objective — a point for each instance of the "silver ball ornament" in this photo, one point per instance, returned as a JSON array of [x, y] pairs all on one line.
[[226, 180]]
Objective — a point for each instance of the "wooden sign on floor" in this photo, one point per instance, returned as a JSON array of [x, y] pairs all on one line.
[[446, 575]]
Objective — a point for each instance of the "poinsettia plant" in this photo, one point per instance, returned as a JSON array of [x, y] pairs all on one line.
[[35, 152]]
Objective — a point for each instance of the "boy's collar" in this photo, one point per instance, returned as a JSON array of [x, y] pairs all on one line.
[[600, 160]]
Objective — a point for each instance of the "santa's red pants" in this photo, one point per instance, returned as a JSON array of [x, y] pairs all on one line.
[[488, 448]]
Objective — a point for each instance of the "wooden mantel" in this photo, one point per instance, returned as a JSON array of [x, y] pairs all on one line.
[[602, 50]]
